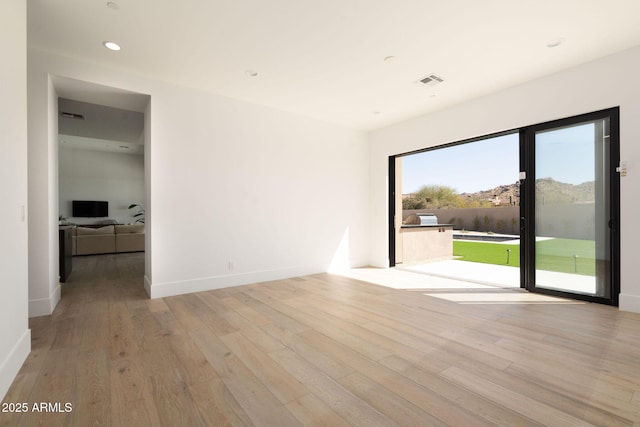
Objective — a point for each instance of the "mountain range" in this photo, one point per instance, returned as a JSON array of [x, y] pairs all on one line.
[[548, 191]]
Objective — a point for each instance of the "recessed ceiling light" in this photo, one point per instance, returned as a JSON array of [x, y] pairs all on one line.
[[113, 5], [251, 73], [555, 42], [111, 45]]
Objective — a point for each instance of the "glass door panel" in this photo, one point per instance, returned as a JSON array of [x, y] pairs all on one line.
[[573, 219]]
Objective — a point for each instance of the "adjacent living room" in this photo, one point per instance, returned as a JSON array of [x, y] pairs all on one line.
[[101, 177]]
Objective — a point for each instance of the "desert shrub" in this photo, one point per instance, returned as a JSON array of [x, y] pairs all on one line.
[[476, 223], [486, 222]]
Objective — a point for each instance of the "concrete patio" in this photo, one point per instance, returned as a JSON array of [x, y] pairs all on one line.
[[503, 276], [454, 274]]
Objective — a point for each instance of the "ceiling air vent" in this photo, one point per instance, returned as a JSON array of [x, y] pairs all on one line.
[[431, 80], [71, 116]]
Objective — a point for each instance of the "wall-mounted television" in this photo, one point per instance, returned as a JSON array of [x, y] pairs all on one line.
[[90, 209]]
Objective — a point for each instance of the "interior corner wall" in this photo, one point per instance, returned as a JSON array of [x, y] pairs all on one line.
[[42, 107], [15, 337], [117, 178], [238, 193], [607, 82], [147, 197]]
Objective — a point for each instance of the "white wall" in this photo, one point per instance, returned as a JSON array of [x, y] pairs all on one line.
[[608, 82], [15, 337], [44, 285], [147, 195], [224, 177], [98, 175]]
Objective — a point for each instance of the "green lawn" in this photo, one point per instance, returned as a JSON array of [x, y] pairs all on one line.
[[553, 254]]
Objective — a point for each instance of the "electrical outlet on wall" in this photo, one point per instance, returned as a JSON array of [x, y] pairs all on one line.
[[230, 265]]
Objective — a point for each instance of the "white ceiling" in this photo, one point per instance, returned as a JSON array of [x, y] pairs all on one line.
[[97, 94], [99, 127], [325, 58]]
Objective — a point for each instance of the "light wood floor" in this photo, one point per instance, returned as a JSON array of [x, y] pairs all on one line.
[[326, 351]]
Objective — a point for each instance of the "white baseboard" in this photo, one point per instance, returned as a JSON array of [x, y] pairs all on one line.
[[629, 302], [45, 306], [161, 290], [379, 263], [147, 285], [55, 297], [11, 365], [352, 264]]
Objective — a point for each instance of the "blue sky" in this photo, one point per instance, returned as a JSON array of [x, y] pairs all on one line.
[[564, 155], [483, 165], [467, 168]]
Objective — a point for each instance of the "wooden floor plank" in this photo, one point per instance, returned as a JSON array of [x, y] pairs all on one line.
[[390, 404], [174, 403], [312, 412], [95, 326], [124, 342], [216, 404], [571, 404], [354, 410], [257, 336], [595, 394], [284, 386], [259, 403], [236, 304], [190, 365], [93, 382], [131, 399], [325, 324], [329, 365], [57, 383], [475, 403], [323, 350], [530, 408], [431, 401]]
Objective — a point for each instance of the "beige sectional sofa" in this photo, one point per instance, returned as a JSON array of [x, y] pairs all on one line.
[[107, 239]]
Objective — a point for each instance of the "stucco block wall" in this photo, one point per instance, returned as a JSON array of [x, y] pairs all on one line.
[[423, 244]]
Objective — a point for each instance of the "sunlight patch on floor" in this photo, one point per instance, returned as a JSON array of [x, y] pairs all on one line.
[[402, 279], [459, 291], [501, 298]]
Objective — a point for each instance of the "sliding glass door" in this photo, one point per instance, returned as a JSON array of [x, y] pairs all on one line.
[[570, 209], [569, 197]]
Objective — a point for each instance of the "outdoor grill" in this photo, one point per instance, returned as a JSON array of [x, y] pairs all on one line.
[[421, 239], [420, 219], [427, 219]]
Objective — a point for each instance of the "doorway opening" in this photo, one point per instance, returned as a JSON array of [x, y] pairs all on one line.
[[471, 190], [537, 207], [102, 175]]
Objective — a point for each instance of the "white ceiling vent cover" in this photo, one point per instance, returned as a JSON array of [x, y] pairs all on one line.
[[431, 80]]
